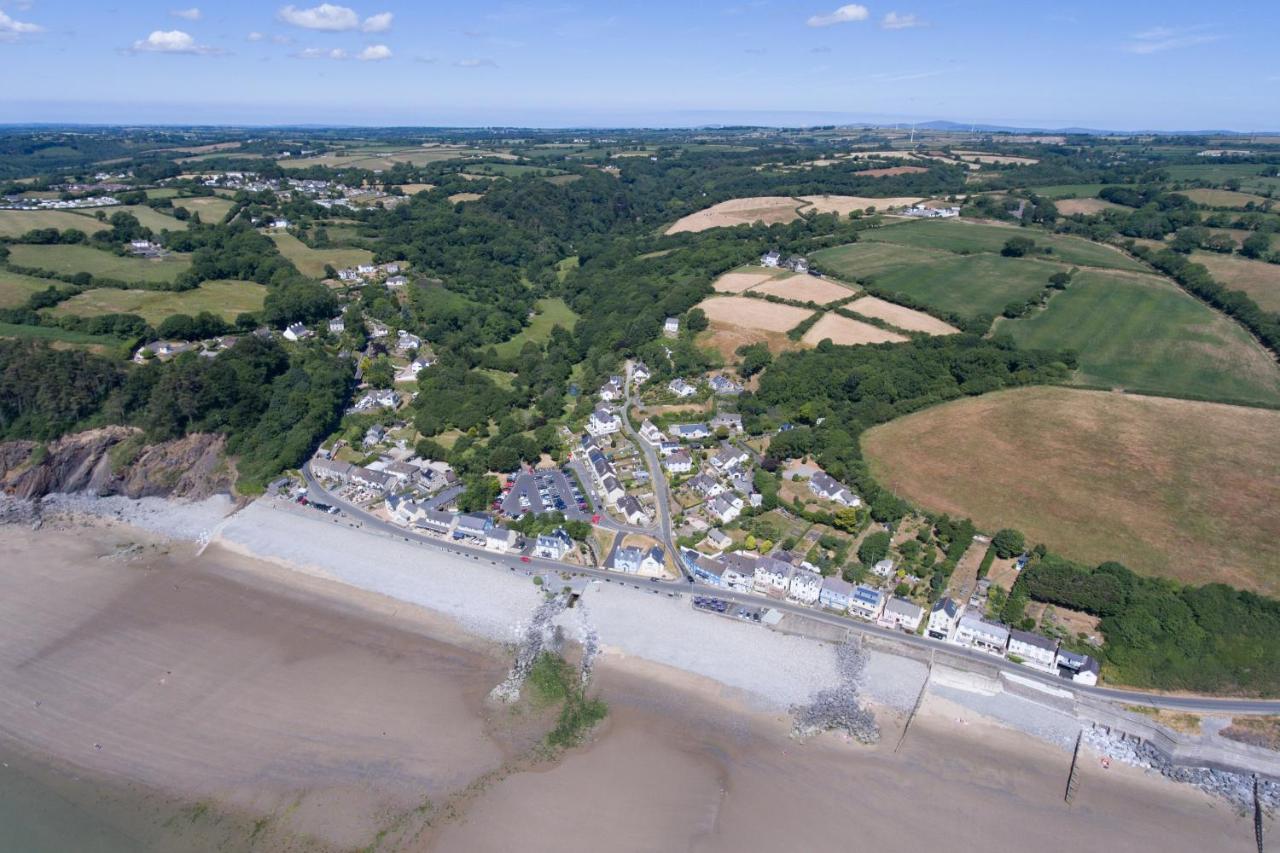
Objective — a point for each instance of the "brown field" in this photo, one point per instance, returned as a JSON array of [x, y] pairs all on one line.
[[457, 197], [1259, 279], [1223, 198], [895, 170], [846, 332], [753, 313], [210, 208], [904, 318], [1168, 487], [413, 189], [806, 288], [736, 282], [846, 204], [739, 211], [1087, 206], [982, 157], [725, 338]]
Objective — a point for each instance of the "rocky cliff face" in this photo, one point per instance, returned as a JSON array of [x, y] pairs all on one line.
[[116, 461]]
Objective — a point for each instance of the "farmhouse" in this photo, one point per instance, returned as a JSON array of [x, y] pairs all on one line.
[[826, 487], [770, 259], [900, 613]]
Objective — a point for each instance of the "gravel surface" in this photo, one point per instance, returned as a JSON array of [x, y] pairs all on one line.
[[1024, 715], [187, 520]]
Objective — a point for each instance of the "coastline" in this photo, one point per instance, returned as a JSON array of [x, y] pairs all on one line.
[[680, 683]]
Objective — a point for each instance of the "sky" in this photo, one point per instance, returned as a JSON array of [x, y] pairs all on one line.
[[1124, 65]]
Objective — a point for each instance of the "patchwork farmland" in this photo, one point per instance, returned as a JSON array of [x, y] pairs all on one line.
[[227, 299], [75, 259]]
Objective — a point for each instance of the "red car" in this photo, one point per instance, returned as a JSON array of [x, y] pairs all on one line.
[[525, 560]]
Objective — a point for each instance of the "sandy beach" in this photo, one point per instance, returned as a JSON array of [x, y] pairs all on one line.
[[297, 685]]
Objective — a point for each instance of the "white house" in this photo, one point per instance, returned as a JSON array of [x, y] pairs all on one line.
[[612, 489], [730, 458], [500, 540], [731, 421], [943, 619], [835, 593], [632, 560], [1035, 650], [690, 432], [603, 422], [883, 569], [397, 281], [771, 575], [631, 510], [651, 433], [980, 634], [640, 373], [671, 327], [381, 398], [866, 602], [374, 480], [806, 586], [553, 545], [725, 386], [678, 463], [826, 487], [612, 391], [725, 508], [770, 259], [406, 341], [707, 486], [1077, 667], [900, 613], [337, 325], [296, 332], [681, 388]]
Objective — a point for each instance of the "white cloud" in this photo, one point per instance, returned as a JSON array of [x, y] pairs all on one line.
[[476, 63], [894, 21], [326, 16], [378, 23], [843, 15], [321, 53], [255, 36], [172, 41], [1159, 39], [11, 30], [192, 14], [374, 53]]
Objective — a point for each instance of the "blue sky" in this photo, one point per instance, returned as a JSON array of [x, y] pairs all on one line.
[[1118, 64]]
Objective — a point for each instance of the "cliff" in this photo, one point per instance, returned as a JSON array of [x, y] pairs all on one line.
[[116, 461]]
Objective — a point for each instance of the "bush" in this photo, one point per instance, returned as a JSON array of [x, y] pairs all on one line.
[[1008, 543], [874, 548]]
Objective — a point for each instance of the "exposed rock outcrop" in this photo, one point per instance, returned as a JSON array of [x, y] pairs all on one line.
[[116, 461]]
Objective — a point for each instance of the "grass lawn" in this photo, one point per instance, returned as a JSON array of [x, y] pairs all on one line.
[[1259, 279], [1167, 487], [210, 208], [566, 266], [15, 288], [74, 259], [15, 223], [967, 285], [1142, 333], [311, 262], [224, 298], [549, 314], [960, 236], [162, 192], [510, 170]]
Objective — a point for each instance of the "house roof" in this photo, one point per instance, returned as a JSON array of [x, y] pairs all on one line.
[[902, 607], [867, 595], [1032, 639], [838, 586], [978, 625], [710, 565], [947, 606]]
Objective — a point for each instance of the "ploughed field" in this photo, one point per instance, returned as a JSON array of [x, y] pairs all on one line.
[[1168, 487]]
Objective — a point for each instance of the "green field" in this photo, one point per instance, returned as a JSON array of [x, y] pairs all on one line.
[[967, 285], [311, 262], [163, 192], [150, 217], [210, 208], [550, 313], [15, 223], [959, 236], [56, 335], [1249, 174], [1226, 198], [1142, 333], [15, 288], [509, 170], [224, 298], [74, 259]]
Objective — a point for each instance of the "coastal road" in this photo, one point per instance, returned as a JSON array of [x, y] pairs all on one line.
[[536, 565]]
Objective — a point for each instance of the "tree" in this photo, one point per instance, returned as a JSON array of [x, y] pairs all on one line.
[[1016, 247], [1255, 245], [696, 320], [380, 373], [1059, 280], [874, 548], [1008, 543], [479, 494], [755, 358]]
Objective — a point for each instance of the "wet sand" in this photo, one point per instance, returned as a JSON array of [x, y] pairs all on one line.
[[267, 709]]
